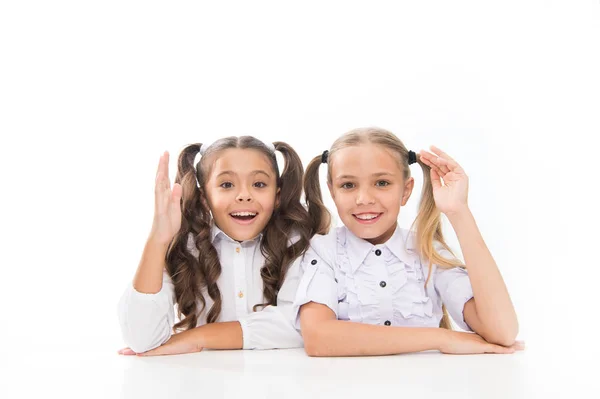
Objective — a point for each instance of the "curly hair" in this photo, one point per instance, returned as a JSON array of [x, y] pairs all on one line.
[[192, 273]]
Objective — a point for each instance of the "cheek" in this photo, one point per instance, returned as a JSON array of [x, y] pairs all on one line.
[[343, 200], [392, 200], [267, 198], [217, 201]]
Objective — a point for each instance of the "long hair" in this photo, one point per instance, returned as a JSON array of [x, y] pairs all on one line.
[[427, 225], [193, 273]]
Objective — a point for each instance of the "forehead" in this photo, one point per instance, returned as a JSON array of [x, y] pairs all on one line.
[[365, 159], [239, 161]]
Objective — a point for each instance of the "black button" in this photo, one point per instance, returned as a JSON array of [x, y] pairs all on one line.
[[388, 323], [335, 280], [377, 252], [313, 262], [382, 284]]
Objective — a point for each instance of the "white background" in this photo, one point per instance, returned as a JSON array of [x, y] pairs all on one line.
[[91, 93]]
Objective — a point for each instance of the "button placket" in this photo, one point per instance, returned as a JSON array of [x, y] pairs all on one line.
[[386, 309], [240, 281]]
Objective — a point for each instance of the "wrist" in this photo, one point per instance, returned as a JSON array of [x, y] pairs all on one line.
[[199, 338], [459, 215], [442, 337], [156, 242]]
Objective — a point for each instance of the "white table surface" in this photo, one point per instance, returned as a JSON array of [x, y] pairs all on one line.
[[60, 371]]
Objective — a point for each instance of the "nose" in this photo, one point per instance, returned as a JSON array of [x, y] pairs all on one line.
[[243, 196], [365, 197]]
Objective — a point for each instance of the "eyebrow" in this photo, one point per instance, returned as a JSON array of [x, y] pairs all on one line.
[[341, 177], [254, 172]]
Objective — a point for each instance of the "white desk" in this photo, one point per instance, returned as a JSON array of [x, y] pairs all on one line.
[[65, 373]]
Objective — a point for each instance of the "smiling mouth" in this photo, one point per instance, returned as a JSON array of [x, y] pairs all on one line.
[[367, 218], [243, 216]]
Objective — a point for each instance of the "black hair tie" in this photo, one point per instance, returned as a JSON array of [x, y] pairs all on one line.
[[412, 157], [324, 156]]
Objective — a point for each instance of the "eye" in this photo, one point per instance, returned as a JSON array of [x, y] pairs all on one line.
[[347, 186], [226, 184], [260, 184], [382, 183]]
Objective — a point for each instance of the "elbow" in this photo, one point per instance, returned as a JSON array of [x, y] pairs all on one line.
[[140, 347], [503, 340], [140, 343], [315, 351], [141, 339], [314, 343], [506, 336]]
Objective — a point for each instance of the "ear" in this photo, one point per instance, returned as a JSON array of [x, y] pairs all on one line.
[[278, 197], [408, 187]]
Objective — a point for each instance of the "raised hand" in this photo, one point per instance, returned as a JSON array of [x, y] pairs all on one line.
[[167, 209], [464, 343], [449, 181]]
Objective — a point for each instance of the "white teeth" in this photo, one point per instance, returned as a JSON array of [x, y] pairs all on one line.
[[243, 214], [367, 216]]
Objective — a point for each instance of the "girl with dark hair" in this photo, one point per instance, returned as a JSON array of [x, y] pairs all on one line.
[[224, 249]]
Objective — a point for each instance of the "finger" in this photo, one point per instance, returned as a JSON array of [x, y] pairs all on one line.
[[451, 177], [162, 174], [177, 192], [162, 180], [426, 155], [441, 163], [431, 165], [166, 165], [499, 349], [154, 352], [518, 346], [436, 182], [161, 195], [176, 199], [451, 165], [160, 162], [442, 154], [126, 352], [166, 170]]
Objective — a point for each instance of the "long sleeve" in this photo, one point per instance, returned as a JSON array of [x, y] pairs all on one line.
[[147, 319], [273, 327]]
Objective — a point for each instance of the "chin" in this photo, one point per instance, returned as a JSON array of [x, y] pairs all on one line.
[[371, 232], [244, 236]]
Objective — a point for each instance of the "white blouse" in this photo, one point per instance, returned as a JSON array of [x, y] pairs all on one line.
[[380, 284], [147, 319]]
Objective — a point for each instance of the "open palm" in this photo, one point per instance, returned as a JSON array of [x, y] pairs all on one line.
[[167, 208]]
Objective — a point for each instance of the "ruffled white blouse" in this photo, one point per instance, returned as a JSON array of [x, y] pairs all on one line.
[[380, 284]]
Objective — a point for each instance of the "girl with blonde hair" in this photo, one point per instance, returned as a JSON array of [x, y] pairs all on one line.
[[372, 288]]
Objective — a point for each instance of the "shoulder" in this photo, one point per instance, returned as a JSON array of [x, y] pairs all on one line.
[[326, 246], [409, 240], [445, 251]]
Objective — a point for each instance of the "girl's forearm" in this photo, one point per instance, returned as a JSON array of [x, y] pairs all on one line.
[[344, 338], [225, 335], [149, 274], [493, 305]]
